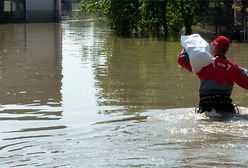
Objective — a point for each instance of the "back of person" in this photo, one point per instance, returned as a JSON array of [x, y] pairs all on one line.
[[216, 85], [217, 78]]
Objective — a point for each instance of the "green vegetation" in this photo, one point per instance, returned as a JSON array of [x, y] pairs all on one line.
[[191, 11], [166, 16], [123, 16], [153, 15]]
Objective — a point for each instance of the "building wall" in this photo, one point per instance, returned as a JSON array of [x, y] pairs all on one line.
[[1, 7], [42, 10]]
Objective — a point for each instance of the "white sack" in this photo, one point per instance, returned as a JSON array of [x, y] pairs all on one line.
[[198, 50]]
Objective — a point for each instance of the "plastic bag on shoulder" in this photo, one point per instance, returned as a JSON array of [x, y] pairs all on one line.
[[198, 50]]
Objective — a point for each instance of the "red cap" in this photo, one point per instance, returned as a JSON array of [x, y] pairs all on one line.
[[222, 42]]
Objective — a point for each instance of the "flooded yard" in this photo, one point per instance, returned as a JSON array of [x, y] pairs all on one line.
[[73, 94]]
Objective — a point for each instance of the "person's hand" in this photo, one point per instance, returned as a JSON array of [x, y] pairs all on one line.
[[183, 51]]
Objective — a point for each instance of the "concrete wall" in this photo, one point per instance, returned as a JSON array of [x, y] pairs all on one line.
[[1, 7], [43, 10]]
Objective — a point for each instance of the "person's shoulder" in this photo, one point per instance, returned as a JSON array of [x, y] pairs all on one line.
[[232, 62], [226, 61]]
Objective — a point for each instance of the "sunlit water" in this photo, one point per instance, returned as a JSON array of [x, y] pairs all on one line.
[[74, 95]]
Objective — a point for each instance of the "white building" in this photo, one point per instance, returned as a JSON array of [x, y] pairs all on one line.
[[30, 10]]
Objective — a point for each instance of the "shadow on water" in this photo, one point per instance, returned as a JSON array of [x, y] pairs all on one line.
[[173, 37], [30, 112], [137, 118]]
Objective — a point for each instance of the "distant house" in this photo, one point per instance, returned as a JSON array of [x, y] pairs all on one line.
[[30, 10], [229, 19]]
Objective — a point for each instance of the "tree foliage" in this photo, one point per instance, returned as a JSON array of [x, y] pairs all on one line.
[[153, 15], [174, 17], [126, 16], [191, 11], [93, 6], [150, 14], [123, 15]]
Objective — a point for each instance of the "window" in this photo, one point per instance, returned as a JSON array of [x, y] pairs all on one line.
[[15, 7], [7, 6]]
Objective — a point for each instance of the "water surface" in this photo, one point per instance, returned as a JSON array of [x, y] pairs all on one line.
[[75, 95]]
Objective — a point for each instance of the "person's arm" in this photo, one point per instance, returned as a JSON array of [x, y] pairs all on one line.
[[183, 60], [242, 77]]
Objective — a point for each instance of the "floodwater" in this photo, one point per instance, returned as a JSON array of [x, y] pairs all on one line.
[[74, 95]]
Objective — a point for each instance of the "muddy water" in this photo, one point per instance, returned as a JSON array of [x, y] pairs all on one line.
[[74, 95]]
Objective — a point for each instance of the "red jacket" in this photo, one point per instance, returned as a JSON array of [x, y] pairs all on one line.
[[218, 77]]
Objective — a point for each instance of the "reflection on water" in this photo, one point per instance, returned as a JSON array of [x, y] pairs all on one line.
[[30, 69], [130, 79], [74, 94], [30, 88]]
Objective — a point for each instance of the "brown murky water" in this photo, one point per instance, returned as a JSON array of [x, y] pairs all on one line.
[[75, 95]]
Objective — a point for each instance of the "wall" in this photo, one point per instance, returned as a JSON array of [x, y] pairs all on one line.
[[42, 10], [1, 7]]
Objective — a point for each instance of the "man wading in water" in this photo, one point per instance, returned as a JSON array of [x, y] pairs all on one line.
[[217, 80]]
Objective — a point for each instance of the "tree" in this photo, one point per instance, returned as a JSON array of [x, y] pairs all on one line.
[[123, 16], [153, 15], [229, 17], [163, 16], [191, 11], [172, 14], [94, 6], [174, 18], [126, 16]]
